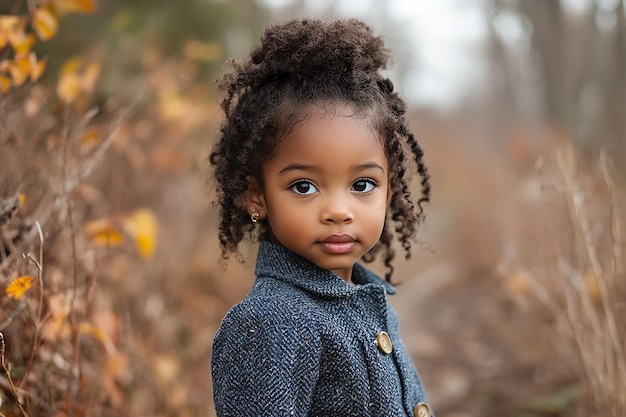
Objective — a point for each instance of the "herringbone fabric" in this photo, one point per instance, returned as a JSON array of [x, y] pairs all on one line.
[[303, 343]]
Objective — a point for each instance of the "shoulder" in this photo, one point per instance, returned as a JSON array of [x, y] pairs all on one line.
[[265, 314]]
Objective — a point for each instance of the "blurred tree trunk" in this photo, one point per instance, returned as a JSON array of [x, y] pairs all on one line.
[[548, 43], [581, 65]]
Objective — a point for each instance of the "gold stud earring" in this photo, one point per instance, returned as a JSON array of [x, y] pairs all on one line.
[[254, 216]]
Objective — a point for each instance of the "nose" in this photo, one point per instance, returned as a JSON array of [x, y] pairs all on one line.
[[336, 209]]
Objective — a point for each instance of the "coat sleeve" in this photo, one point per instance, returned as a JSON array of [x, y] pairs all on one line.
[[264, 362]]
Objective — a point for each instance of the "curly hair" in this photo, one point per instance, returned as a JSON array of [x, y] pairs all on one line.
[[296, 65]]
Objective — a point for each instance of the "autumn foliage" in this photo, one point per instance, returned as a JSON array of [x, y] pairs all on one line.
[[79, 228], [111, 287], [20, 33]]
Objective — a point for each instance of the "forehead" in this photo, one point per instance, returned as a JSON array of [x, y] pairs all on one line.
[[337, 133], [336, 119]]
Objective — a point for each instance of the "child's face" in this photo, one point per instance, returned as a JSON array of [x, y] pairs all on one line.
[[326, 191]]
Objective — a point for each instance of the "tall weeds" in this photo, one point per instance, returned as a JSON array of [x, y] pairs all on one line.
[[585, 287], [44, 159]]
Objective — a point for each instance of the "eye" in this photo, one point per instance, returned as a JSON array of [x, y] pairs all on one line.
[[363, 185], [303, 187]]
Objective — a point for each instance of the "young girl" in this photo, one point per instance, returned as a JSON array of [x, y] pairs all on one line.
[[313, 160]]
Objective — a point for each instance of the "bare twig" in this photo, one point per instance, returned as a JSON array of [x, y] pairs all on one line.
[[14, 315], [9, 379], [595, 331], [616, 225]]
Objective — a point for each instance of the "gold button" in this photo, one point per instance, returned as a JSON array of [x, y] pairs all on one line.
[[384, 343], [421, 410]]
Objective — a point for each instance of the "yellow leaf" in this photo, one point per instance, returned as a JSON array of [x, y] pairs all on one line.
[[23, 44], [36, 69], [19, 70], [10, 29], [202, 51], [74, 6], [166, 368], [142, 226], [23, 62], [90, 76], [98, 333], [45, 23], [98, 225], [69, 87], [5, 84], [103, 232], [173, 106], [8, 24], [107, 238], [19, 286], [71, 65]]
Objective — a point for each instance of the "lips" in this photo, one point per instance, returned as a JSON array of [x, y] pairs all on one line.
[[338, 244]]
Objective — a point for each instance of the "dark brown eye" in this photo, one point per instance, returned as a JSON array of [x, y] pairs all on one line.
[[304, 188], [363, 185]]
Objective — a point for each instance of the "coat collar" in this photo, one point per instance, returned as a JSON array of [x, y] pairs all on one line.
[[278, 262]]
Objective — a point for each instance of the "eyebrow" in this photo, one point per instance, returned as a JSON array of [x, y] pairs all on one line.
[[305, 167], [369, 165], [298, 167]]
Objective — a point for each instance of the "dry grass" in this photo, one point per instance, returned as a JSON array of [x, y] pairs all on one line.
[[46, 159], [107, 329], [592, 291], [568, 271], [104, 332]]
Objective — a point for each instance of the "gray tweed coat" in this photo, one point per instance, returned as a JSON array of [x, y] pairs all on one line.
[[304, 343]]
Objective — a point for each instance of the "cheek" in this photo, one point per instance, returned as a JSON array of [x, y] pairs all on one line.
[[375, 215], [287, 218]]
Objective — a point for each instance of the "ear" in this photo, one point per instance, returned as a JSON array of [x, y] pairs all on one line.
[[255, 200]]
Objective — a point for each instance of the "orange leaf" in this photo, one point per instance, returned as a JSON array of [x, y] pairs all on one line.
[[74, 6], [90, 139], [69, 87], [142, 226], [23, 62], [592, 286], [117, 366], [45, 23], [18, 287]]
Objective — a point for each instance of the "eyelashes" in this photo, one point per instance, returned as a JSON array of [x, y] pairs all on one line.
[[306, 187], [303, 187], [364, 185]]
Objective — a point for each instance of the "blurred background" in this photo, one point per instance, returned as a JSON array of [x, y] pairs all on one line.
[[513, 301]]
